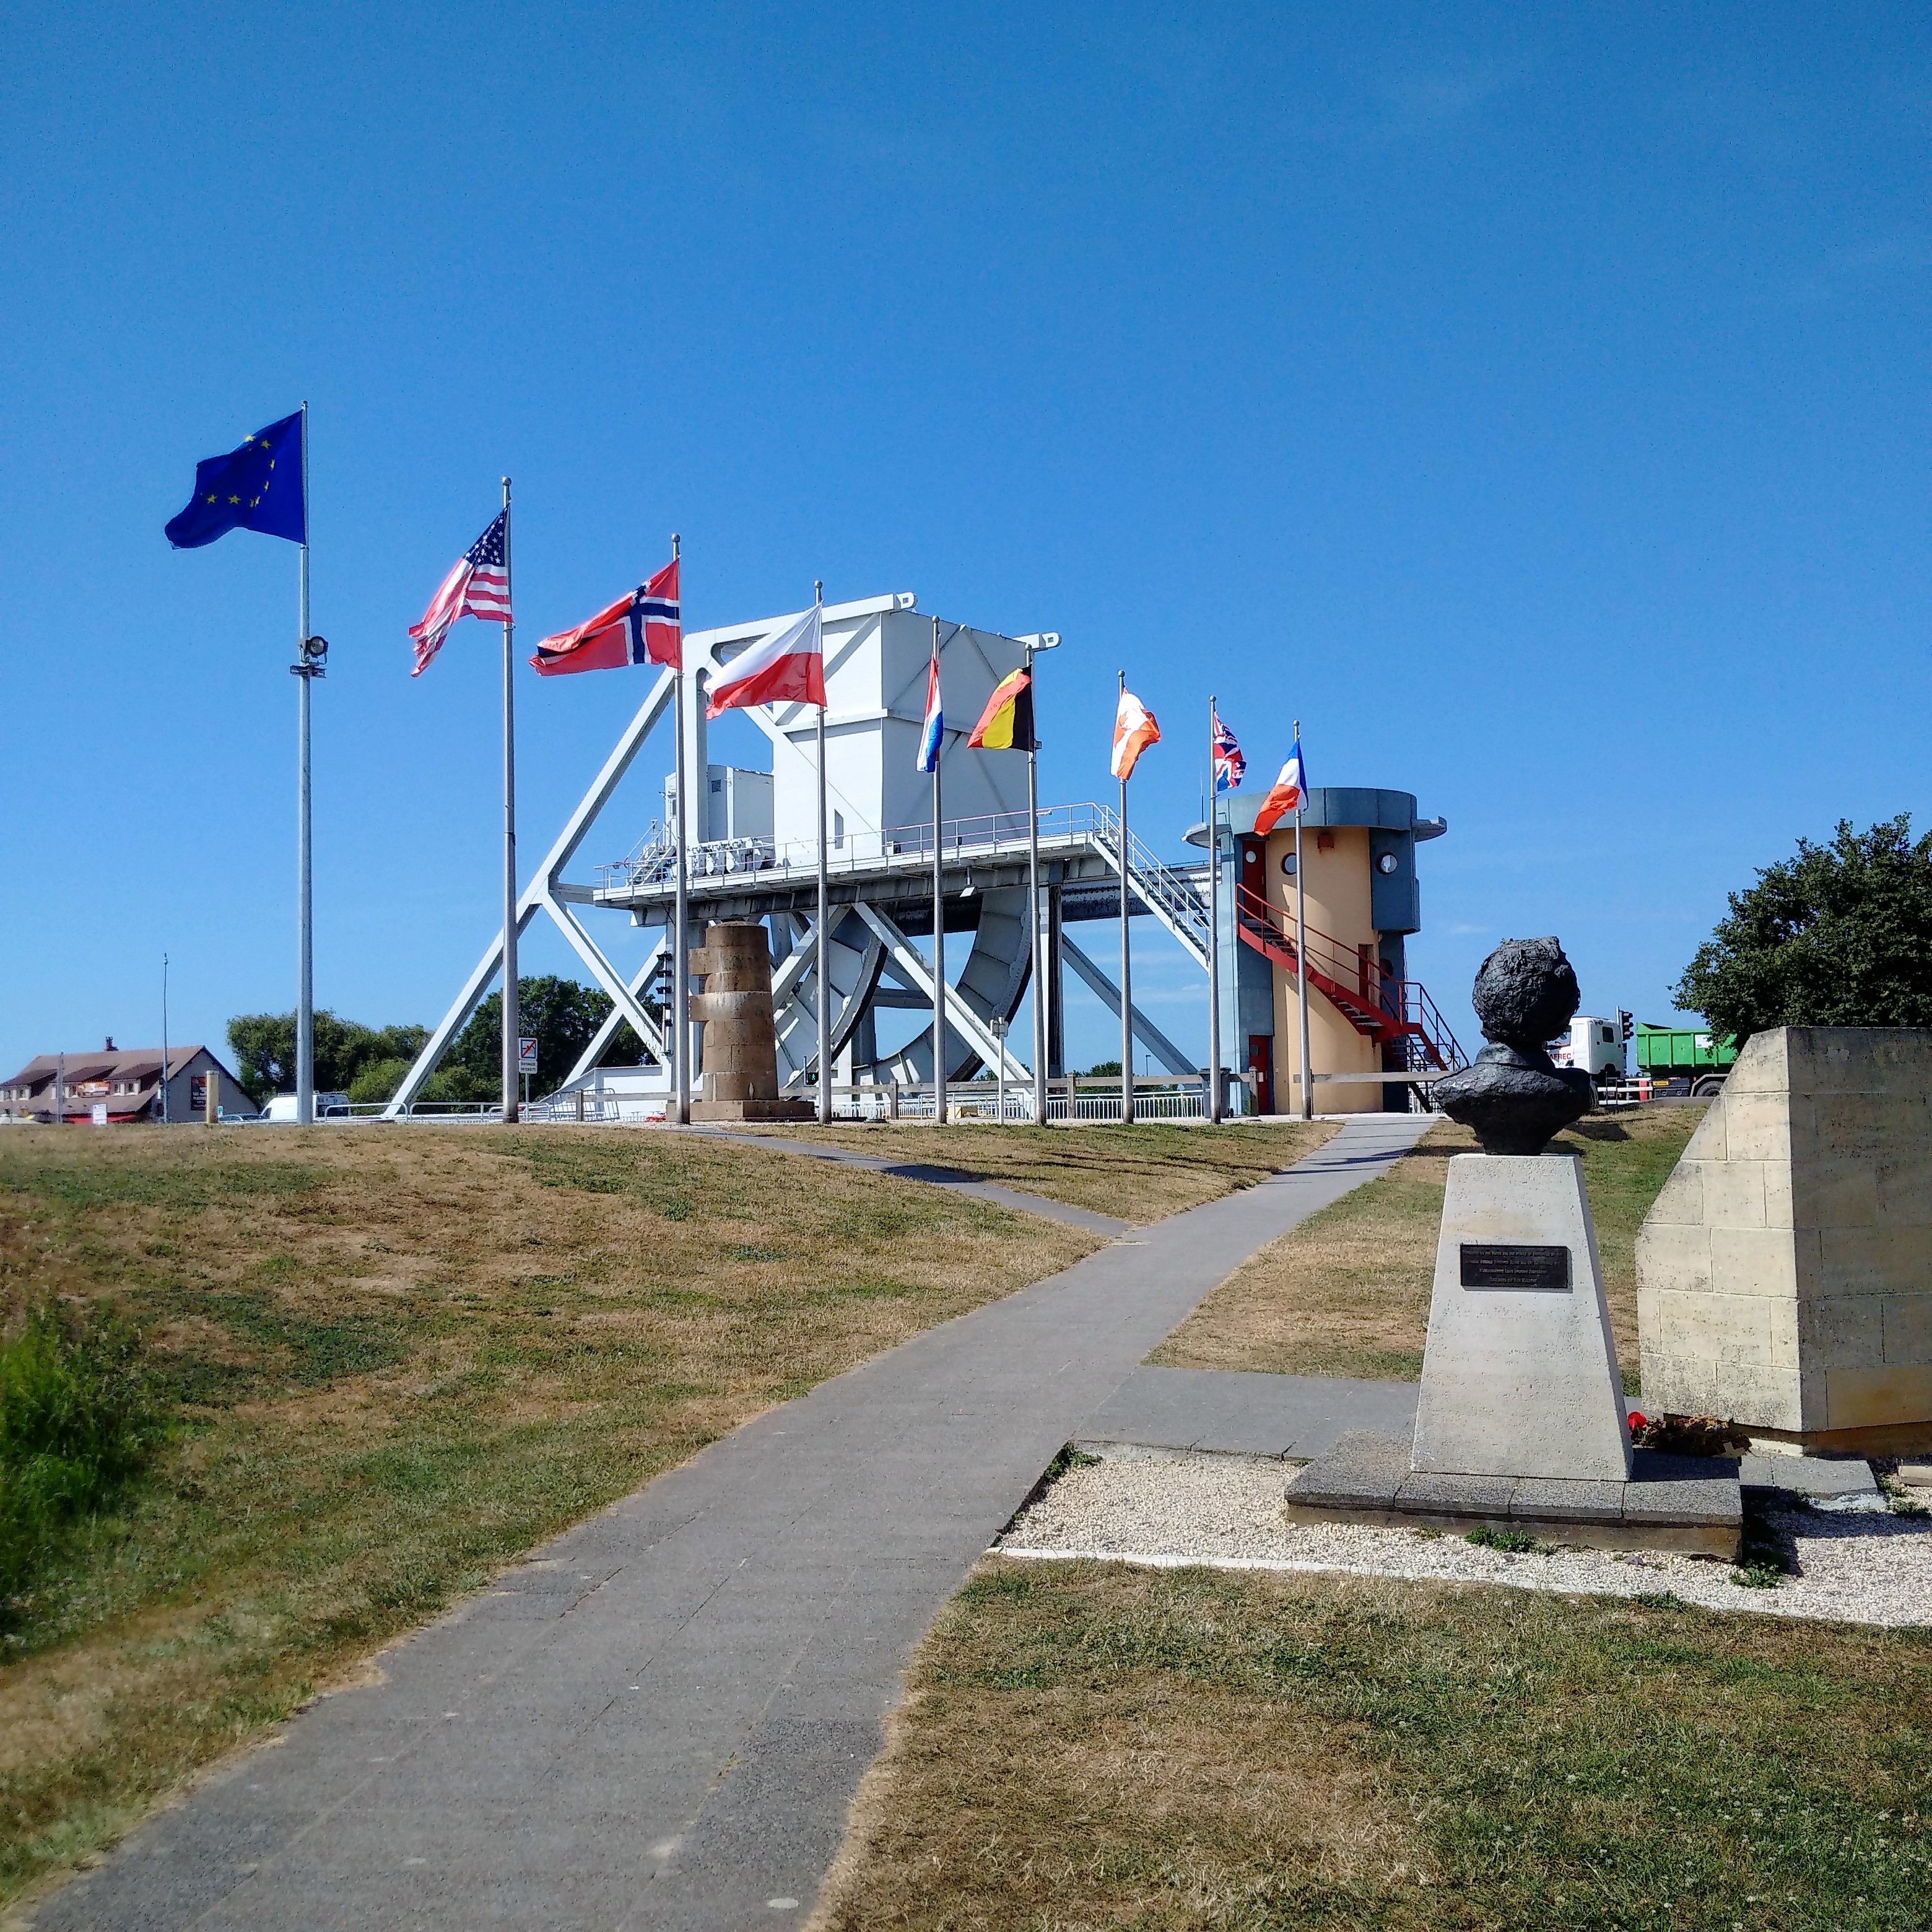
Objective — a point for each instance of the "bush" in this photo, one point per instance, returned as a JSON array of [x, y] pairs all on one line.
[[460, 1083], [380, 1080], [76, 1425]]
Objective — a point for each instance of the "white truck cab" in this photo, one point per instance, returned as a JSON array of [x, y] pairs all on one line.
[[1595, 1044]]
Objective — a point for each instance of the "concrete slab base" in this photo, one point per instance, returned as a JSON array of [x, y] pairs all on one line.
[[1825, 1483], [1690, 1504], [753, 1110]]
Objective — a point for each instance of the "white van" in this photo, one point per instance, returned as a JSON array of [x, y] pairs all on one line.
[[281, 1110]]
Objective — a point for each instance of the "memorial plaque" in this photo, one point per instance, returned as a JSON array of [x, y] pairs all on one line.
[[1517, 1265]]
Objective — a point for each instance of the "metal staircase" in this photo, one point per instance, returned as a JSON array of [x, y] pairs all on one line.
[[1167, 892], [1391, 1012]]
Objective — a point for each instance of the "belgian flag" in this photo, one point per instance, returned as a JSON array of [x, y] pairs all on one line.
[[1007, 723]]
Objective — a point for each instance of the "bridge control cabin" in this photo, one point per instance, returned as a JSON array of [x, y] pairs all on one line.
[[1366, 1016]]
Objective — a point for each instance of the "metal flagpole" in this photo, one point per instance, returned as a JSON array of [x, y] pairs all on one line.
[[677, 1029], [1213, 925], [306, 673], [824, 918], [164, 1040], [1301, 945], [938, 929], [1126, 967], [513, 1052], [1032, 904]]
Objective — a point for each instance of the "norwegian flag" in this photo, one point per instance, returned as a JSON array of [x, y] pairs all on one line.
[[1230, 767], [478, 586], [663, 615], [643, 627]]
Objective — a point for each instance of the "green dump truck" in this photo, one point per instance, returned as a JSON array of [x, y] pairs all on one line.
[[1682, 1057]]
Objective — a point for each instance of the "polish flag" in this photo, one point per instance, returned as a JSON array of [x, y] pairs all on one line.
[[1289, 792], [787, 668], [1134, 731]]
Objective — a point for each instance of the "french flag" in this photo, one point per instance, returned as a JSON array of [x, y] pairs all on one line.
[[644, 627], [1289, 792], [930, 738], [787, 668]]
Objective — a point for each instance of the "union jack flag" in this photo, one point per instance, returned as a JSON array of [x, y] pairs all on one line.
[[477, 586], [1229, 765]]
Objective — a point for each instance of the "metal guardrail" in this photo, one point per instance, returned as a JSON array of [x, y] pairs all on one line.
[[1078, 1097]]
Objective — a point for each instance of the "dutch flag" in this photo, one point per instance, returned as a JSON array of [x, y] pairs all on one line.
[[934, 736]]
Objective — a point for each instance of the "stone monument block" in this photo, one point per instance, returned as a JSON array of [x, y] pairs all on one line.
[[1519, 1378], [1784, 1273]]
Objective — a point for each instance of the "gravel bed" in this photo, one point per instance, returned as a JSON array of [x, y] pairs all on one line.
[[1171, 1508]]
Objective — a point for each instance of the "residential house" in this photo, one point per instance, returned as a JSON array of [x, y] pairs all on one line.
[[67, 1087]]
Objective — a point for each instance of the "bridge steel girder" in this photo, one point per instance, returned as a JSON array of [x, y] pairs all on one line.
[[1149, 1035]]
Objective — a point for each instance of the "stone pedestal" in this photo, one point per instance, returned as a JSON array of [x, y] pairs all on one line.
[[1519, 1378], [740, 1081]]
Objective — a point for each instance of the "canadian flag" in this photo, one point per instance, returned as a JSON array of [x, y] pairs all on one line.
[[787, 668], [1288, 793], [1134, 731]]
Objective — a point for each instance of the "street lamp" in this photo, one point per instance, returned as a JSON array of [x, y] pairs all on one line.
[[999, 1026]]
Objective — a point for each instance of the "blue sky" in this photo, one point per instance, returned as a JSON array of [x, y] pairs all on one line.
[[1532, 400]]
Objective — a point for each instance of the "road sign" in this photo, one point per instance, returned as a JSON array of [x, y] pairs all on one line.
[[526, 1054]]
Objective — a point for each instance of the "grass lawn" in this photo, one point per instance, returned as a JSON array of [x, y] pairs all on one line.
[[395, 1359], [1138, 1174], [1347, 1292], [1087, 1745]]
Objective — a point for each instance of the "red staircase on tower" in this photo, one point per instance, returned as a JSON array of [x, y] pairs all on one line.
[[1391, 1012]]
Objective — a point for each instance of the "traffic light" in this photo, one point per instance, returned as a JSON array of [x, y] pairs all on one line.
[[1628, 1022]]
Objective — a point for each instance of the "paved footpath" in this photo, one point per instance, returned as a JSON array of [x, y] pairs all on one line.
[[660, 1721]]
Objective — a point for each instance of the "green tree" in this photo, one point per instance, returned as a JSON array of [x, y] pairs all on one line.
[[264, 1046], [561, 1016], [1840, 935]]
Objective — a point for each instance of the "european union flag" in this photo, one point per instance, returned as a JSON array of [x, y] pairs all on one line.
[[258, 487]]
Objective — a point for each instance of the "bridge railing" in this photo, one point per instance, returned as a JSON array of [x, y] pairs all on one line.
[[986, 834]]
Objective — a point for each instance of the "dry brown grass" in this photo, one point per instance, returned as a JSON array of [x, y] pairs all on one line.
[[400, 1356], [1347, 1293], [1137, 1175], [1092, 1746]]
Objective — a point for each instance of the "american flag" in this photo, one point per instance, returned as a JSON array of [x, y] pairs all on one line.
[[478, 586], [1229, 765]]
